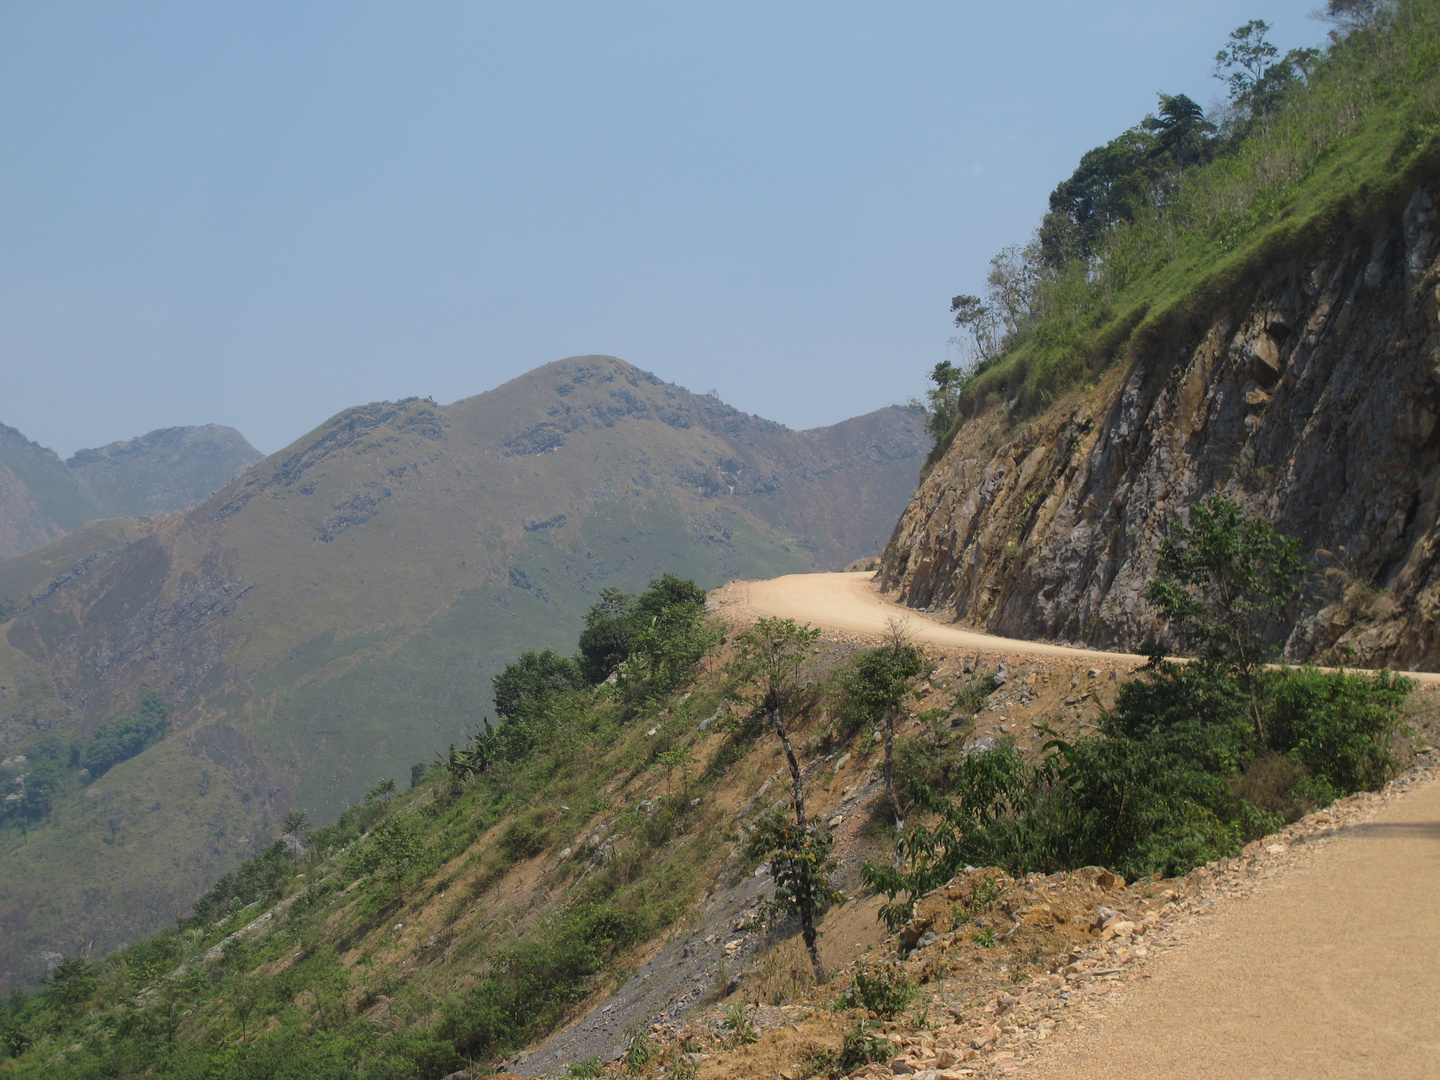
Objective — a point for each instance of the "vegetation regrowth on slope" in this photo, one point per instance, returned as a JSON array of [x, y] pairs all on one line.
[[296, 965], [46, 767], [1195, 760], [1183, 210]]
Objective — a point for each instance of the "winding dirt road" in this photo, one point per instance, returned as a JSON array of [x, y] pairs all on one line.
[[850, 604], [1334, 971]]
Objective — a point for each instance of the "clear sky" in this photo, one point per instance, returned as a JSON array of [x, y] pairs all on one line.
[[258, 213]]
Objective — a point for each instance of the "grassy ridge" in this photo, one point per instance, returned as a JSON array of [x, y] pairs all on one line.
[[1343, 151]]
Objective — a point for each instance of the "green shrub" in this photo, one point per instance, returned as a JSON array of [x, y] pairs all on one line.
[[974, 692], [532, 984], [742, 1031], [656, 630], [1340, 727], [527, 836], [876, 682], [885, 991], [1177, 776]]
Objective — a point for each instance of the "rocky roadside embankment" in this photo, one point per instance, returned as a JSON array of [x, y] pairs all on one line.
[[1002, 966], [1310, 396]]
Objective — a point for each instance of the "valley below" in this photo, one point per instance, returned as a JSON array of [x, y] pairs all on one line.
[[333, 617], [1080, 720]]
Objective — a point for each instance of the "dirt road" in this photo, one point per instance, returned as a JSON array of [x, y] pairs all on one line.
[[1333, 971], [849, 603]]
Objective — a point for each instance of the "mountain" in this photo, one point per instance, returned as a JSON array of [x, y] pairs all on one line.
[[42, 497], [334, 615], [169, 469], [1280, 349], [39, 499]]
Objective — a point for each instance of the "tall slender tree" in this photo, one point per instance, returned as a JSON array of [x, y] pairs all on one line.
[[772, 657]]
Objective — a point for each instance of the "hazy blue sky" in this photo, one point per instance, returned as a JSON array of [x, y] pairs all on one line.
[[260, 213]]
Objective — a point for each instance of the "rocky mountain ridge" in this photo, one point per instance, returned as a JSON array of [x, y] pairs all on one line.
[[1309, 394], [43, 497]]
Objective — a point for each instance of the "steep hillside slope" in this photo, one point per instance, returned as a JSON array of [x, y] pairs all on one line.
[[1254, 315], [594, 892], [42, 497], [335, 615], [1310, 395], [39, 499]]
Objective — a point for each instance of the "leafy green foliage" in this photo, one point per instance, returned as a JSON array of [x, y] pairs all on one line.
[[251, 983], [465, 764], [985, 892], [1195, 759], [533, 983], [1184, 209], [1339, 727], [71, 984], [617, 627], [879, 680], [1107, 189], [800, 861], [124, 738], [986, 820], [649, 644], [43, 780], [863, 1045], [942, 401], [1224, 583], [883, 990], [773, 655], [532, 680], [1182, 133], [261, 878], [742, 1031]]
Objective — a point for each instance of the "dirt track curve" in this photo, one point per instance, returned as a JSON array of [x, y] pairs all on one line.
[[1333, 971], [850, 604]]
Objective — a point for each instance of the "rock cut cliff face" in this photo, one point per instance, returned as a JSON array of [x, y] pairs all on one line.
[[1312, 399]]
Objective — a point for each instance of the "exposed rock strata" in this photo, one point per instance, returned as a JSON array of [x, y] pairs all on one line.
[[1313, 400]]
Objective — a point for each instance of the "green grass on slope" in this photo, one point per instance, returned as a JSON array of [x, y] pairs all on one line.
[[307, 999], [1343, 152], [375, 719], [336, 715], [453, 925], [117, 858]]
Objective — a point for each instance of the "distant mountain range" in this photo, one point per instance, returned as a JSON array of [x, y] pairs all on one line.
[[42, 497], [334, 615]]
